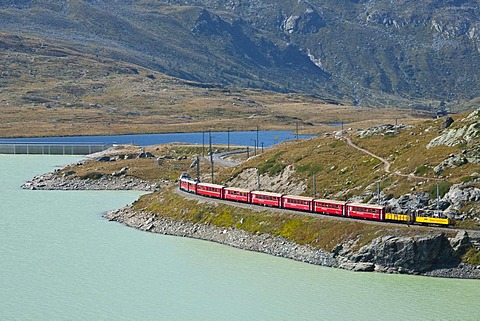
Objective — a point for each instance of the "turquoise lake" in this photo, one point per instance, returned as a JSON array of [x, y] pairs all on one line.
[[60, 260]]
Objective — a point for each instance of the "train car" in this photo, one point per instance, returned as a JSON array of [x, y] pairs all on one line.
[[266, 198], [366, 211], [188, 185], [210, 190], [330, 207], [431, 217], [237, 194], [443, 221], [300, 203], [399, 218], [307, 204]]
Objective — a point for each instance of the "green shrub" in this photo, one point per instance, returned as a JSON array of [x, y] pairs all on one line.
[[467, 179], [336, 144], [271, 165], [420, 170], [310, 169], [443, 188], [472, 257], [92, 175], [276, 169]]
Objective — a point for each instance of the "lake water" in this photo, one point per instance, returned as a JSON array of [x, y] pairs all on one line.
[[246, 138], [60, 260]]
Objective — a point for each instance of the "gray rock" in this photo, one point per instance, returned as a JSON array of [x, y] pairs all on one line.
[[408, 202], [358, 267], [410, 254], [122, 172], [54, 181], [447, 122], [387, 129], [456, 136], [460, 194], [452, 161], [461, 243]]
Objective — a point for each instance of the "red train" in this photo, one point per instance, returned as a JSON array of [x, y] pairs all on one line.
[[305, 204]]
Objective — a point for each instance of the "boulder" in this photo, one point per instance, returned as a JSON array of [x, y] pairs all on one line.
[[461, 243], [456, 136], [123, 171], [409, 201], [408, 254], [447, 122], [460, 194], [358, 267], [452, 161]]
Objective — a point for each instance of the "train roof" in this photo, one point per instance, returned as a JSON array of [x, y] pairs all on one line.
[[329, 201], [366, 205], [237, 189], [210, 185], [267, 193], [304, 198]]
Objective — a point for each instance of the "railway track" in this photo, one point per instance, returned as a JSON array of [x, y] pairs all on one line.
[[258, 208]]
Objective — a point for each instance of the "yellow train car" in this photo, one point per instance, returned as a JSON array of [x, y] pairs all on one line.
[[434, 220], [402, 218]]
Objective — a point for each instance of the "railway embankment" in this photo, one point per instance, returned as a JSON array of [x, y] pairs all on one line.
[[432, 254]]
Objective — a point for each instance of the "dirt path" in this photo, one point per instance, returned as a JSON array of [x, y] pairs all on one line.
[[387, 164]]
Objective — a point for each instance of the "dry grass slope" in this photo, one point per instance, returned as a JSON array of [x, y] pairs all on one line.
[[52, 89]]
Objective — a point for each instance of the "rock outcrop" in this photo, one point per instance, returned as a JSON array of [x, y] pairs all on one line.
[[281, 182], [459, 135], [407, 254]]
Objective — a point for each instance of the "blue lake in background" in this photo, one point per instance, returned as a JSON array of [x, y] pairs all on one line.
[[245, 138]]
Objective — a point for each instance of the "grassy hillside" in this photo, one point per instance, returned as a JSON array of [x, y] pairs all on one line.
[[341, 172], [341, 169], [52, 89]]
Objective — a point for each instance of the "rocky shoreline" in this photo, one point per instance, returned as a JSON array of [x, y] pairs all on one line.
[[273, 245], [389, 255], [263, 243], [54, 181]]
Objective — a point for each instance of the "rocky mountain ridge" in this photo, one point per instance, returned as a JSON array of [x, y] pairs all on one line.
[[375, 52]]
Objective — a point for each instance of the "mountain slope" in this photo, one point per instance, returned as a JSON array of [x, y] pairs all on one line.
[[376, 52]]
